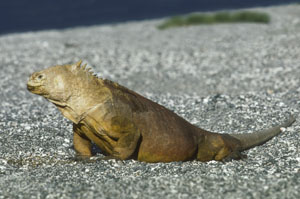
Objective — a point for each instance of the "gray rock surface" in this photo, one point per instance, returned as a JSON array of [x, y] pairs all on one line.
[[228, 78]]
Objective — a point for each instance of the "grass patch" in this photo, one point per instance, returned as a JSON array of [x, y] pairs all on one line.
[[219, 17]]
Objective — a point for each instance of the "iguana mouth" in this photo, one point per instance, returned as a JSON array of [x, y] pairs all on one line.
[[30, 87], [36, 89]]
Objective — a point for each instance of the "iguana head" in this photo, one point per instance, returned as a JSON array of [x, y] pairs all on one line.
[[72, 88], [59, 83], [51, 83]]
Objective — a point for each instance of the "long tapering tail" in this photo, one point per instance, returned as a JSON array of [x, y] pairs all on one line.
[[250, 140]]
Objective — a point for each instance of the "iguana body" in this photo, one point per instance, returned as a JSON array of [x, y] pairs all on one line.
[[125, 125]]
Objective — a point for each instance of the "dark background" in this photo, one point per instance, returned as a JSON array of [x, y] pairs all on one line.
[[28, 15]]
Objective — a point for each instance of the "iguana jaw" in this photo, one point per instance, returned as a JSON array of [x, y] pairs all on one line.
[[58, 103], [35, 88]]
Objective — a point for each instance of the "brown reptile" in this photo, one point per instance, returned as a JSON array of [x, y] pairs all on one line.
[[126, 125]]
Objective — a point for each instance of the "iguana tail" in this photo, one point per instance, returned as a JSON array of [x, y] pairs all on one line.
[[250, 140]]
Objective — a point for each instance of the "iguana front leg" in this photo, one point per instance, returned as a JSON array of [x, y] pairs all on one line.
[[126, 145], [82, 144], [127, 134], [117, 136]]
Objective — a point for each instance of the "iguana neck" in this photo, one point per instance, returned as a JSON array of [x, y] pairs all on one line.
[[77, 106]]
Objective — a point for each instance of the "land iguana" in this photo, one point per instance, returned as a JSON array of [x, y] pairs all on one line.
[[126, 125]]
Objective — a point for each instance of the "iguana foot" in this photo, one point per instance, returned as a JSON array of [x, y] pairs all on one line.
[[236, 155]]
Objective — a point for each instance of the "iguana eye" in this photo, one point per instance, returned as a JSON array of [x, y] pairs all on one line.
[[40, 76]]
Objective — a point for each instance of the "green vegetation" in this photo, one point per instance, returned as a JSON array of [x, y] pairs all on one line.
[[219, 17]]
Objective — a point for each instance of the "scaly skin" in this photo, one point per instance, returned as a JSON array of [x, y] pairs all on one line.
[[125, 125]]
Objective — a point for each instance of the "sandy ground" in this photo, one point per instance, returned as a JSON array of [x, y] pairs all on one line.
[[228, 78]]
